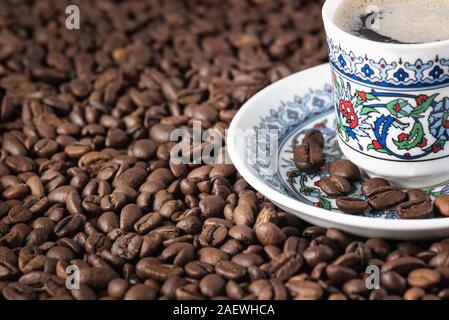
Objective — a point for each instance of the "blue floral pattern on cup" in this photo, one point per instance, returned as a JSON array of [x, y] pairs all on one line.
[[389, 124], [387, 74]]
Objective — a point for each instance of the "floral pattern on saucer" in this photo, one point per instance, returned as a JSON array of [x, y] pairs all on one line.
[[293, 118]]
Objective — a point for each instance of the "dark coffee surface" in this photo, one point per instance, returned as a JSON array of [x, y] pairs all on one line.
[[85, 176], [395, 21]]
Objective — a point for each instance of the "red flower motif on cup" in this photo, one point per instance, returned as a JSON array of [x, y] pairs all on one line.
[[377, 145], [362, 95], [318, 204], [403, 136], [347, 110], [436, 148], [421, 99]]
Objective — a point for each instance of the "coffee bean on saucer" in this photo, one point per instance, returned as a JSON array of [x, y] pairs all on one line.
[[370, 185], [353, 206], [308, 157], [385, 198], [314, 136], [442, 205], [345, 169], [415, 209], [335, 186], [414, 194]]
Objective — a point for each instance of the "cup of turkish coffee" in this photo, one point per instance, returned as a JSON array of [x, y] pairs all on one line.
[[390, 75]]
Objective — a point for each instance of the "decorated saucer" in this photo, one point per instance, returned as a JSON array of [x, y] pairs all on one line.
[[260, 143]]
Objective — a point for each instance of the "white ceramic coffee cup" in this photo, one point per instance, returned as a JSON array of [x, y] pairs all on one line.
[[392, 105]]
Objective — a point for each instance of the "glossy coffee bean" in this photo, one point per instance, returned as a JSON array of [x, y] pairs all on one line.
[[369, 185], [442, 205], [353, 206], [417, 194], [385, 197], [314, 136], [335, 186], [345, 169], [308, 157], [419, 208]]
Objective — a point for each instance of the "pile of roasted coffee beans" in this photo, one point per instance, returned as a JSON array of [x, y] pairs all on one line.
[[380, 195], [86, 178]]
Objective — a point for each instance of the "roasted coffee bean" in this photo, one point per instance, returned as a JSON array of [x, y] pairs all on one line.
[[140, 292], [270, 234], [127, 246], [83, 293], [393, 282], [148, 222], [211, 255], [247, 259], [213, 235], [415, 209], [385, 197], [212, 206], [442, 205], [129, 215], [198, 269], [345, 169], [340, 274], [423, 278], [314, 136], [69, 226], [107, 222], [317, 254], [402, 265], [355, 287], [243, 214], [380, 247], [146, 268], [243, 234], [304, 289], [417, 194], [97, 277], [284, 266], [230, 270], [19, 213], [353, 206], [142, 149], [180, 253], [117, 288], [335, 186], [308, 157], [414, 294], [212, 285], [7, 270], [372, 184], [133, 178], [18, 291]]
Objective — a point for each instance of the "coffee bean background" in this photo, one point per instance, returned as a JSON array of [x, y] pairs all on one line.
[[85, 171]]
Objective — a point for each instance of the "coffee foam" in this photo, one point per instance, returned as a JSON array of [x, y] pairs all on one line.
[[406, 21]]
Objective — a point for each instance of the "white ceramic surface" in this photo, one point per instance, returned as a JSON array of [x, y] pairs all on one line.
[[263, 106]]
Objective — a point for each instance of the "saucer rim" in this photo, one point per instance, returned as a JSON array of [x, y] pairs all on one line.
[[295, 206]]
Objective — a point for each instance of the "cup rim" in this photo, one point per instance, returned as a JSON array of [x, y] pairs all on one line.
[[328, 11]]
